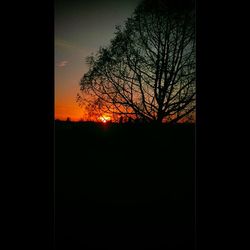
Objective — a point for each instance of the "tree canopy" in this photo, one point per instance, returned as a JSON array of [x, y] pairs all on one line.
[[147, 71]]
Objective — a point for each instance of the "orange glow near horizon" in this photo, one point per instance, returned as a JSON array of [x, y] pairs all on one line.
[[65, 110], [68, 110]]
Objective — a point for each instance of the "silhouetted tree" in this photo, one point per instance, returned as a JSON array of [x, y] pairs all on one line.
[[121, 120], [129, 120], [148, 70]]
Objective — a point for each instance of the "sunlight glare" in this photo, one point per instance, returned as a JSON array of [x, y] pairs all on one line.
[[104, 118]]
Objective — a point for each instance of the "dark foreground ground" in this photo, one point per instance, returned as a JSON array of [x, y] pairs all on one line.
[[124, 186]]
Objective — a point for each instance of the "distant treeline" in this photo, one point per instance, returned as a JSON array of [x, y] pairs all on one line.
[[137, 121]]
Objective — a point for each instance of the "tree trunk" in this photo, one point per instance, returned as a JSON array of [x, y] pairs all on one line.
[[160, 116]]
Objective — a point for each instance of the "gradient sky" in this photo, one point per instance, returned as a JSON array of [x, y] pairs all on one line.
[[81, 27]]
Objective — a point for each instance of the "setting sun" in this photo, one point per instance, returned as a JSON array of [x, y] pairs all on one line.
[[104, 118]]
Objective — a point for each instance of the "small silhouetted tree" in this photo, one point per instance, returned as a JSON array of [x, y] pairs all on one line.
[[148, 70], [121, 119], [130, 120]]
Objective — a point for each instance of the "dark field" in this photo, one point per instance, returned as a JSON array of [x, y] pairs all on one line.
[[121, 186]]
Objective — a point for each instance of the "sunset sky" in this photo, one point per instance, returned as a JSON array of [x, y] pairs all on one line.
[[81, 27]]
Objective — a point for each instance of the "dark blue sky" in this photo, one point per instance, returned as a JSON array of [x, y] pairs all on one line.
[[81, 27]]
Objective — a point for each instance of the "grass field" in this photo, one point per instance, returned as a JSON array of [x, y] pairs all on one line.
[[124, 186]]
